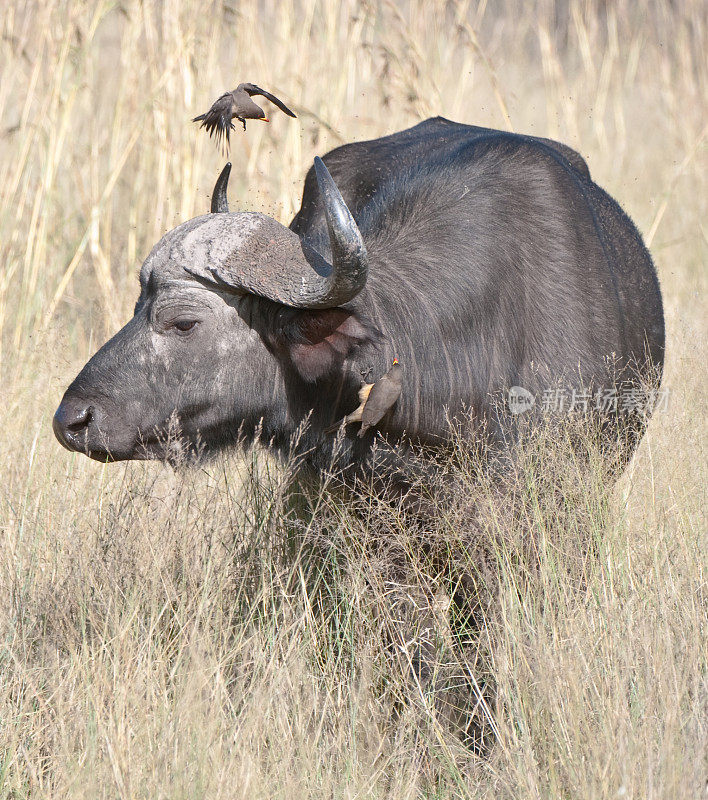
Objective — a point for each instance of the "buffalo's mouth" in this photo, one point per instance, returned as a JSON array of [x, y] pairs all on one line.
[[83, 428]]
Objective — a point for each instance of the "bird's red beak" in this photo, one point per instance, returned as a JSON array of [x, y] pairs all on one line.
[[264, 119]]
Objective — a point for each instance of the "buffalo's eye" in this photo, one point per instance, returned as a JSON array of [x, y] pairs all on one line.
[[184, 325]]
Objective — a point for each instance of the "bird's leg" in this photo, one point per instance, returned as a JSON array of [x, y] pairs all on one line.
[[242, 121]]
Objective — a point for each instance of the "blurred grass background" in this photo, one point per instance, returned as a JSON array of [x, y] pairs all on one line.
[[155, 636]]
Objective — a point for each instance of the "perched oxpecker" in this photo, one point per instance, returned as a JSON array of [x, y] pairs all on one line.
[[375, 399]]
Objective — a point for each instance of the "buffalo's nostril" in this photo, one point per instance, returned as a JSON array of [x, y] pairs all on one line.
[[71, 421], [82, 420]]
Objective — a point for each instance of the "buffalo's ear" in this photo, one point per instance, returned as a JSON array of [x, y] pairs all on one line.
[[317, 342]]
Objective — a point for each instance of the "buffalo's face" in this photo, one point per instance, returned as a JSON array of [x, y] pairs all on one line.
[[184, 372], [234, 310]]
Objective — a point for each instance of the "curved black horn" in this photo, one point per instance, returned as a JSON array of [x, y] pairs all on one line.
[[349, 259], [257, 254], [219, 200]]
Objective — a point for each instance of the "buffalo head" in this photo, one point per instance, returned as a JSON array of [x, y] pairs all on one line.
[[233, 307]]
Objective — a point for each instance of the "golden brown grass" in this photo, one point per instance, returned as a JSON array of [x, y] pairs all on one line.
[[160, 635]]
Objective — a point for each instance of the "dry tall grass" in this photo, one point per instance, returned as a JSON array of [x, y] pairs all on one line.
[[160, 635]]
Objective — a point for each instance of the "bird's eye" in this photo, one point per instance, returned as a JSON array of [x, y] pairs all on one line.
[[184, 325]]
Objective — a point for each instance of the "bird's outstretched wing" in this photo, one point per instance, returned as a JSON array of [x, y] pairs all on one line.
[[217, 119], [252, 89]]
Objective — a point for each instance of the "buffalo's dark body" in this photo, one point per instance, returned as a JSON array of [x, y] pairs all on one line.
[[494, 261]]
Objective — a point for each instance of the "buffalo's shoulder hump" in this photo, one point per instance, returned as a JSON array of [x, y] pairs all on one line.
[[360, 168]]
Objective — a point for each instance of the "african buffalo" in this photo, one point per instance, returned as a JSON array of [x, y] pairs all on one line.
[[482, 260]]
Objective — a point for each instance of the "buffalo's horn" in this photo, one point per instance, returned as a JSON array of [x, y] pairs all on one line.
[[349, 260], [258, 255], [219, 200]]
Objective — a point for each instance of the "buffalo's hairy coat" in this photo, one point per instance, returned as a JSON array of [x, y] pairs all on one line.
[[494, 261]]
